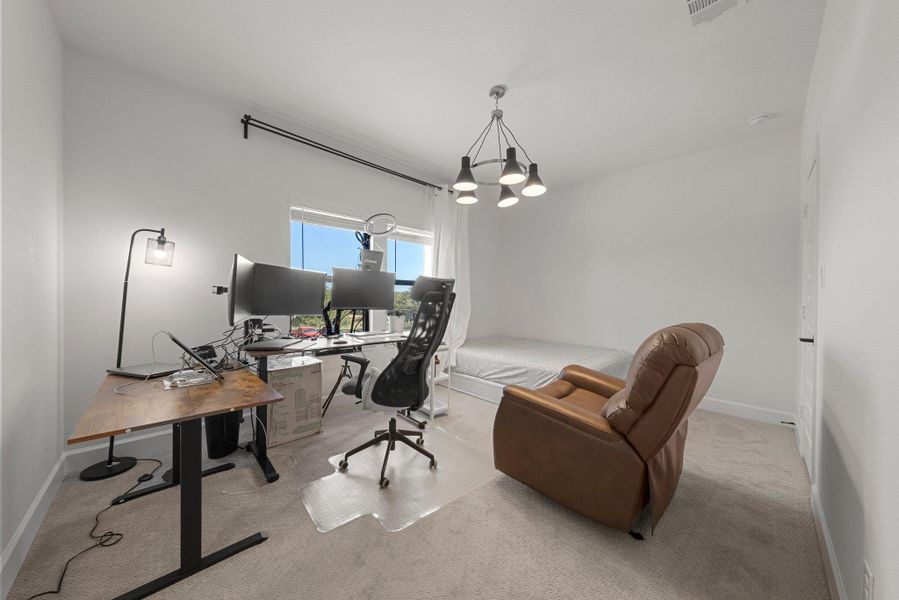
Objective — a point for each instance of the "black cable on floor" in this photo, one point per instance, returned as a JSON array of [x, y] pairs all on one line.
[[105, 539]]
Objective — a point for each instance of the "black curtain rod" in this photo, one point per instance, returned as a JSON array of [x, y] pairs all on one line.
[[249, 121]]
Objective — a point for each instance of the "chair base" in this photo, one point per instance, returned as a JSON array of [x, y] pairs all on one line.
[[391, 435], [407, 414]]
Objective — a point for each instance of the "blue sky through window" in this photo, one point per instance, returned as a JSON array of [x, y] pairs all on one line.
[[406, 259], [319, 248]]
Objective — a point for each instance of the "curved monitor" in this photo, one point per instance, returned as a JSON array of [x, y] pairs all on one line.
[[260, 289], [240, 294]]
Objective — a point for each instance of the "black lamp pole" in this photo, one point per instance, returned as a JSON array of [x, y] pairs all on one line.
[[161, 232], [115, 465]]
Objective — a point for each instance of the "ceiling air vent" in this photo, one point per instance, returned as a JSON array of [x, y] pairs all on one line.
[[706, 10]]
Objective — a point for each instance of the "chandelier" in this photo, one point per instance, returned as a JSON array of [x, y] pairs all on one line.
[[511, 170]]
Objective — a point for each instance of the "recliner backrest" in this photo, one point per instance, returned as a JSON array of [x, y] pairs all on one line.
[[403, 383], [669, 376]]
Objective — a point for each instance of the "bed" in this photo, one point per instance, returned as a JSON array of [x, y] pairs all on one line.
[[483, 366]]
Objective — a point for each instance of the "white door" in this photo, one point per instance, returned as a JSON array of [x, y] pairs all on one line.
[[809, 325]]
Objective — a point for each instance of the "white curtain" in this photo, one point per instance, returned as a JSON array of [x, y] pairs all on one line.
[[450, 259]]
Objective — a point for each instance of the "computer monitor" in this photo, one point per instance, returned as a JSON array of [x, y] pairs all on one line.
[[240, 294], [371, 260], [260, 289], [367, 290]]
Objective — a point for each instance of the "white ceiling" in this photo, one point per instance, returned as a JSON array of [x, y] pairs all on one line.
[[594, 86]]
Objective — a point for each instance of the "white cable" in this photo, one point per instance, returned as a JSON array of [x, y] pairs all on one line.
[[262, 487], [152, 365]]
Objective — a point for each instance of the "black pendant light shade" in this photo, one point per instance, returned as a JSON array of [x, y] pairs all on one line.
[[507, 197], [467, 197], [465, 181], [512, 173], [533, 186]]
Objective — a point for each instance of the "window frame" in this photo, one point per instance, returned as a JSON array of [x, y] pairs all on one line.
[[314, 216]]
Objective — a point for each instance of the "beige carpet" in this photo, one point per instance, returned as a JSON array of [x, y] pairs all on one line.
[[739, 527]]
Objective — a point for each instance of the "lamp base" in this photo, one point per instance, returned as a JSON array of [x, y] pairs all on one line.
[[105, 470], [146, 370]]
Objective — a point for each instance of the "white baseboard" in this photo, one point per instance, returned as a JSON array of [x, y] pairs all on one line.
[[834, 577], [493, 392], [15, 552], [746, 411], [69, 462]]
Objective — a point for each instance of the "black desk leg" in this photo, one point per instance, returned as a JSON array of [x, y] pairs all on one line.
[[344, 372], [192, 560], [176, 472], [259, 445]]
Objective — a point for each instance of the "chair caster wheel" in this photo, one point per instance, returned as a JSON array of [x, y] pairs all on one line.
[[343, 465], [433, 464], [384, 482], [422, 425], [420, 441]]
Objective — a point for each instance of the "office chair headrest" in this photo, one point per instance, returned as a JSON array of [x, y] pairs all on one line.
[[423, 285]]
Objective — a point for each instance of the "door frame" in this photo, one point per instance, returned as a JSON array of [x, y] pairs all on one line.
[[813, 420]]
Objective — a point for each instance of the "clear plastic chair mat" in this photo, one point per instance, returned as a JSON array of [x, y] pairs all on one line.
[[415, 489]]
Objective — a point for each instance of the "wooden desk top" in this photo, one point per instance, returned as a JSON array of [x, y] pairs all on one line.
[[148, 404]]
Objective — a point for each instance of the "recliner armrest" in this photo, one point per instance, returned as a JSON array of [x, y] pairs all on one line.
[[585, 420], [594, 381]]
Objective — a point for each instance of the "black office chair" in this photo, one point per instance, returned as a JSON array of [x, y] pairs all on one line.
[[403, 384]]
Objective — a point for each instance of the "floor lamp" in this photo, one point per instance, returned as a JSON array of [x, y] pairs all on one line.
[[159, 252]]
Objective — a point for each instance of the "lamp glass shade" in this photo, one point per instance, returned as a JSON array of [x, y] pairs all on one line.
[[465, 181], [467, 197], [159, 252], [507, 197], [534, 186], [512, 173]]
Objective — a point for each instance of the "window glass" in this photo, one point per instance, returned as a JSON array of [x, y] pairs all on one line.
[[407, 260], [322, 247]]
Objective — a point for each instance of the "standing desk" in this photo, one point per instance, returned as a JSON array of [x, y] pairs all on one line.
[[147, 404], [324, 346]]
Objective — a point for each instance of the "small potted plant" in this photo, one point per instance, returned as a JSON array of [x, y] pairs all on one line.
[[396, 320]]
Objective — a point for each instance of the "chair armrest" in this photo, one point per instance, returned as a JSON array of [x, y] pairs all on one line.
[[555, 408], [594, 381], [359, 360], [363, 364]]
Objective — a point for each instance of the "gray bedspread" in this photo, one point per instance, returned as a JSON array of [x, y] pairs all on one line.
[[533, 363]]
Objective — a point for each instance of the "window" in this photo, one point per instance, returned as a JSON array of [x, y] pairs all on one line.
[[408, 261], [320, 241]]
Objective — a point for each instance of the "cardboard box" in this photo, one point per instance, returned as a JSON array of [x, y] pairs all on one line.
[[299, 415]]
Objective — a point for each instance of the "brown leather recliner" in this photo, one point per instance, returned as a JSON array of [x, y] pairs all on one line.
[[604, 447]]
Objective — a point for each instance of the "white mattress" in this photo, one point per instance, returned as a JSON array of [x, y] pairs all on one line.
[[533, 363]]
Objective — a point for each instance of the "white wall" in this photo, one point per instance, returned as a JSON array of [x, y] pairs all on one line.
[[484, 257], [709, 237], [853, 105], [140, 152], [32, 195]]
